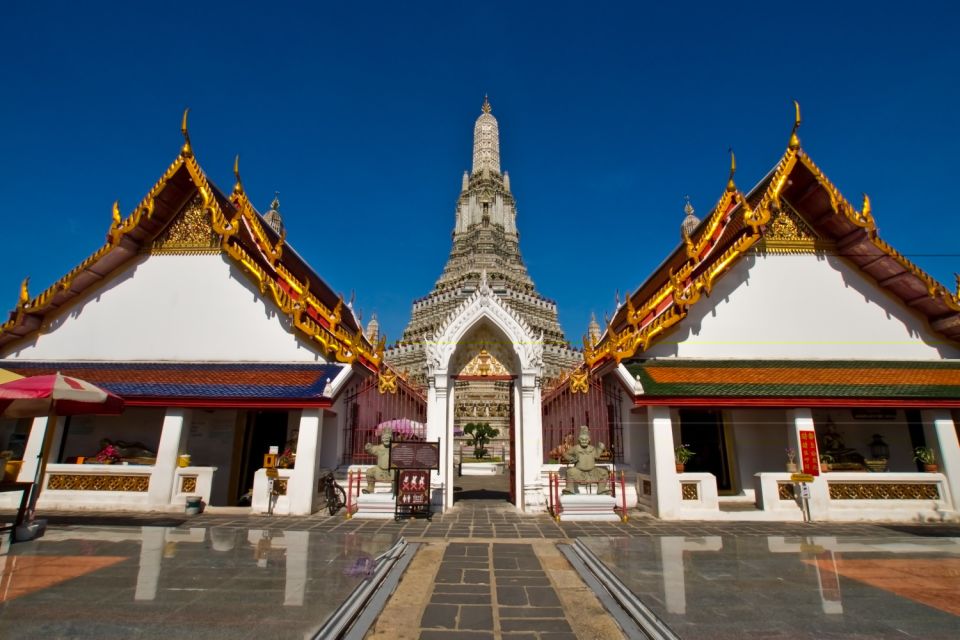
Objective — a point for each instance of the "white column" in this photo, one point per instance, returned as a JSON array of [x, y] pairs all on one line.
[[819, 502], [172, 438], [938, 424], [437, 401], [529, 440], [666, 484], [303, 482]]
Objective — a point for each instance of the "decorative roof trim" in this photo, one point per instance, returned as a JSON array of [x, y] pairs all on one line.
[[305, 310], [682, 289]]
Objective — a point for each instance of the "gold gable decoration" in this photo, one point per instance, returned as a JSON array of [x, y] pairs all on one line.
[[579, 382], [788, 233], [190, 232], [484, 364], [387, 382]]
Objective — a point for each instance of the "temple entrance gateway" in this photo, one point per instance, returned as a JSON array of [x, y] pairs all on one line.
[[486, 344]]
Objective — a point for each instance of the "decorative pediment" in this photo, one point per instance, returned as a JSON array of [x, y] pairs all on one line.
[[484, 364], [482, 305], [788, 233], [190, 232]]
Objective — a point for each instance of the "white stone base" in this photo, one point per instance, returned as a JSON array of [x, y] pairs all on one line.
[[481, 468], [588, 507], [375, 506]]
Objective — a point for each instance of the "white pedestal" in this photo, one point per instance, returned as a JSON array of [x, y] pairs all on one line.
[[588, 507], [375, 506], [481, 468]]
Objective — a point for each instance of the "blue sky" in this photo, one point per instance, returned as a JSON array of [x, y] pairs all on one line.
[[361, 116]]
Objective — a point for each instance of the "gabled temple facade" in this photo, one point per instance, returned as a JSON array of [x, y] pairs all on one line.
[[782, 324], [783, 321], [222, 341]]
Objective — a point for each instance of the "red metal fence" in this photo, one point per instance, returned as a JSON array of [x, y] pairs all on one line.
[[564, 412], [404, 410]]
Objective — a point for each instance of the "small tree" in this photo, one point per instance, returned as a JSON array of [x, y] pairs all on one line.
[[480, 434]]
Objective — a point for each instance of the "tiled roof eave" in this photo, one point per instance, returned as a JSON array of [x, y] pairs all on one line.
[[793, 402]]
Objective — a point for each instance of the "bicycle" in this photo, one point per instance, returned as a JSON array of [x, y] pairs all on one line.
[[335, 496]]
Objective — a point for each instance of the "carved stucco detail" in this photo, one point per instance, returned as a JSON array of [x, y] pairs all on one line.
[[484, 304]]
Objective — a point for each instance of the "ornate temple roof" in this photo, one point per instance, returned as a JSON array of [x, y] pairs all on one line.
[[200, 383], [797, 383], [186, 213], [794, 208]]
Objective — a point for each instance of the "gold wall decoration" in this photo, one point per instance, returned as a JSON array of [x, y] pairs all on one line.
[[188, 484], [387, 382], [883, 491], [99, 482], [786, 491], [579, 382], [190, 232], [689, 491], [280, 486]]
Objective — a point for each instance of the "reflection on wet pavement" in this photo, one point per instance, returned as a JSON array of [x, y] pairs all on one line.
[[155, 582], [773, 586]]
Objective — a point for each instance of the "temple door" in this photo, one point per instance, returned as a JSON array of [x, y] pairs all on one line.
[[512, 460]]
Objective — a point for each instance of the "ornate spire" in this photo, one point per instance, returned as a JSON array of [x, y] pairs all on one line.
[[373, 329], [593, 330], [691, 221], [273, 217], [486, 142]]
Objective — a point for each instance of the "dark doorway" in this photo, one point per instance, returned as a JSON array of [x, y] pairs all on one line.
[[702, 431], [264, 429]]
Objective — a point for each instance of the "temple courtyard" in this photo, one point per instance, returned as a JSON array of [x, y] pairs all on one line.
[[481, 570]]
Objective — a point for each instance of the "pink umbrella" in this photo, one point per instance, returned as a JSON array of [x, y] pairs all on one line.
[[53, 395]]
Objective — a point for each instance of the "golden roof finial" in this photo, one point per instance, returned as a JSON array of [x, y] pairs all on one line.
[[794, 139], [24, 292], [187, 148], [865, 211], [116, 213], [275, 203], [731, 186], [486, 104], [238, 187]]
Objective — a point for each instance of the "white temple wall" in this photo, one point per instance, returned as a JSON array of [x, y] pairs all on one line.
[[210, 442], [172, 307], [636, 452], [800, 306], [759, 442]]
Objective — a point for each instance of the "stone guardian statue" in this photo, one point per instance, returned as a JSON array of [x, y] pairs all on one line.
[[380, 471], [585, 470]]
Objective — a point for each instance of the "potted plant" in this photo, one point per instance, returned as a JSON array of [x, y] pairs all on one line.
[[480, 434], [791, 460], [825, 461], [682, 453], [926, 457]]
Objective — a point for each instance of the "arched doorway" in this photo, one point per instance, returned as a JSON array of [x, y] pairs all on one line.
[[484, 367], [484, 324]]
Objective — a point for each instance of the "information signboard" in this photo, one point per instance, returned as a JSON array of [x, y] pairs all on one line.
[[415, 455], [414, 460], [809, 460]]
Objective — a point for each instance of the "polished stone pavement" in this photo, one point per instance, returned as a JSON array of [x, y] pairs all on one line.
[[482, 571]]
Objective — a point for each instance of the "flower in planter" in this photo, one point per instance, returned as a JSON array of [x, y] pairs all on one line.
[[108, 455]]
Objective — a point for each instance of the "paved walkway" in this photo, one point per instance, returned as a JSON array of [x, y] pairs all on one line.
[[485, 570]]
